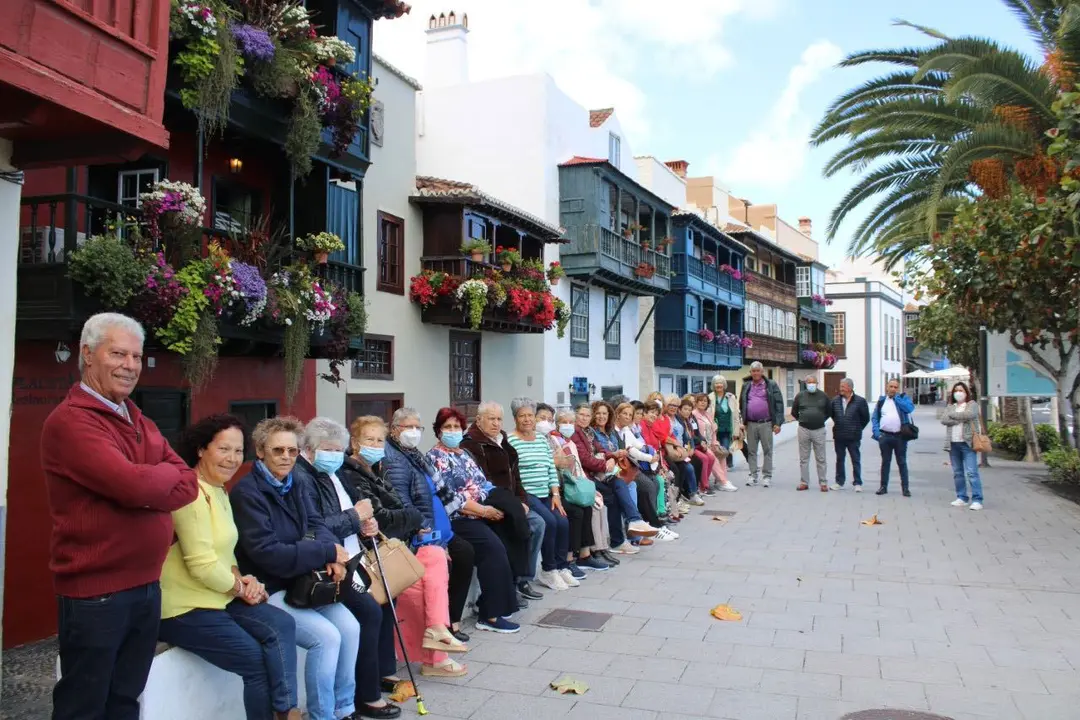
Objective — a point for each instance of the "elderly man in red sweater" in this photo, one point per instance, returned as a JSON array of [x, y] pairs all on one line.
[[112, 481]]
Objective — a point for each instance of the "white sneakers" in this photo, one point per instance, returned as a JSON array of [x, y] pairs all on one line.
[[728, 487], [626, 549], [837, 486], [959, 503], [765, 482], [640, 528], [695, 499], [568, 578], [976, 505], [552, 579], [858, 488], [667, 535]]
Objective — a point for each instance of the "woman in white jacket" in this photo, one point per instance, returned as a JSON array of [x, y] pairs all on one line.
[[724, 412]]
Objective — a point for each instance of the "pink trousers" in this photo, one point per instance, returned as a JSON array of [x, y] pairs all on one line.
[[707, 460], [425, 604]]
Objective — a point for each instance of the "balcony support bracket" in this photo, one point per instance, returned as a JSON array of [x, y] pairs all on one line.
[[645, 322], [615, 315]]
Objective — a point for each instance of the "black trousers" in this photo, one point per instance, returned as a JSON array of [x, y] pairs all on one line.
[[648, 490], [513, 530], [614, 513], [854, 449], [498, 597], [376, 657], [462, 562], [580, 519], [106, 649]]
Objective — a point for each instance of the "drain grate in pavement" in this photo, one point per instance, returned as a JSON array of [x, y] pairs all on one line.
[[719, 513], [892, 715], [575, 620]]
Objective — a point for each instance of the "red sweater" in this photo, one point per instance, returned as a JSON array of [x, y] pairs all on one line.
[[112, 487]]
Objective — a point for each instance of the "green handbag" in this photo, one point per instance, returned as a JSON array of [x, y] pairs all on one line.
[[578, 491]]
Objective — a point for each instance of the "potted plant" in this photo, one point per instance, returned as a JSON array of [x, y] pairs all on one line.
[[320, 245], [644, 270], [476, 248], [508, 257], [554, 272], [472, 295], [709, 259]]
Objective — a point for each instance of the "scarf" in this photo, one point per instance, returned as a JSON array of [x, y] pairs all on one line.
[[283, 487]]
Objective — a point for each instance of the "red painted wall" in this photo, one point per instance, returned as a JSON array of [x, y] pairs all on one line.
[[40, 383]]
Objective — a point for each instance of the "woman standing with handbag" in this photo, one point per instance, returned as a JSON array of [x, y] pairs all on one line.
[[963, 425]]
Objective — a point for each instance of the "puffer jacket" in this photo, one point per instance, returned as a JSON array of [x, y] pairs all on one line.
[[408, 471], [850, 424], [395, 518]]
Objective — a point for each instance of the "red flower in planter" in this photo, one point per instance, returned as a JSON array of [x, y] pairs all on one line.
[[545, 310], [521, 302]]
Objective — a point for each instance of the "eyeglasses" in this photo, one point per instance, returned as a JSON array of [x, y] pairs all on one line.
[[283, 451]]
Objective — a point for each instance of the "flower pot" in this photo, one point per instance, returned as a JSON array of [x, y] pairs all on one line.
[[321, 257], [477, 257], [507, 267], [554, 281]]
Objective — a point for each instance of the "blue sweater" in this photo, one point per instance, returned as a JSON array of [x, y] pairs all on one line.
[[904, 406]]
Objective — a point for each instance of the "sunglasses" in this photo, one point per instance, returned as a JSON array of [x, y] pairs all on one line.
[[283, 451]]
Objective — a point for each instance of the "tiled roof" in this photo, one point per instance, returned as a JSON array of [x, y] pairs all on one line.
[[393, 9], [763, 238], [599, 117], [411, 81], [442, 189], [580, 160], [699, 215]]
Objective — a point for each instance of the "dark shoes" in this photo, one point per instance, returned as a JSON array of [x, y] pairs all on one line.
[[387, 686], [608, 557], [463, 637], [526, 591], [593, 562], [882, 491], [386, 711], [907, 493]]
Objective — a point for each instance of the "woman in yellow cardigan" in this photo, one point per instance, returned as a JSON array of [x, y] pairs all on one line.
[[207, 607]]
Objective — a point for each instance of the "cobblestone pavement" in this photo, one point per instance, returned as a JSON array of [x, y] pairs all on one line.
[[960, 613]]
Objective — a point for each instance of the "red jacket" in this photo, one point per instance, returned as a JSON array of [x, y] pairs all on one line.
[[587, 453], [112, 487]]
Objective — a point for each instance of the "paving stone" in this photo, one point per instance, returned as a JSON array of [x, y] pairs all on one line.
[[753, 706], [1035, 660], [590, 711], [510, 679], [982, 702], [798, 640], [882, 647], [884, 693], [767, 657], [653, 668], [683, 630], [575, 661], [649, 695], [724, 676], [603, 690], [715, 654], [521, 707], [519, 654], [920, 670], [1045, 707], [801, 684], [843, 664]]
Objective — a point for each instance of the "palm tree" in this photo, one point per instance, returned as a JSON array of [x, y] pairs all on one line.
[[949, 121]]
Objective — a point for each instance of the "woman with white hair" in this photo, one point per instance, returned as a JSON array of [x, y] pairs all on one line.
[[727, 422]]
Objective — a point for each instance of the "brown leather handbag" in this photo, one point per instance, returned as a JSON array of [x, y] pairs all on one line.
[[400, 568]]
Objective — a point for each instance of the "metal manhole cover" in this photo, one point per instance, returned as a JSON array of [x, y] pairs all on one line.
[[719, 513], [892, 715], [575, 620]]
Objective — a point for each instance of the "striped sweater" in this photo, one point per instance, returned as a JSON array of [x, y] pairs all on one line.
[[535, 463]]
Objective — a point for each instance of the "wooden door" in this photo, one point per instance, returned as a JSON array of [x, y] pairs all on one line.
[[380, 405], [832, 383], [167, 408]]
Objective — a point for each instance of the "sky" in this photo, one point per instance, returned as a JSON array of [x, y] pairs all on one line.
[[732, 86]]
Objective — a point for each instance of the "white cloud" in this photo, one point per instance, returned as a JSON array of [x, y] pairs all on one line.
[[773, 155], [594, 49]]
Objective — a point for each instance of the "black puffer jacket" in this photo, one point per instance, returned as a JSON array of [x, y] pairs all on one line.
[[395, 519], [849, 425]]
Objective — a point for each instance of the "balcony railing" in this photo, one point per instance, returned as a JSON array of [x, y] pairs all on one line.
[[675, 348], [770, 290], [694, 273], [770, 349], [616, 260], [445, 312]]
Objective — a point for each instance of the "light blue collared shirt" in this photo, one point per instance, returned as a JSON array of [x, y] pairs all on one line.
[[120, 409]]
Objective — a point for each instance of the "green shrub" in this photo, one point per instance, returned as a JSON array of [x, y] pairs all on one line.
[[109, 270], [1049, 439], [1008, 438], [1064, 465]]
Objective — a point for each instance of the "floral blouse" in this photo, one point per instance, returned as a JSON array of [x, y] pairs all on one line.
[[461, 474]]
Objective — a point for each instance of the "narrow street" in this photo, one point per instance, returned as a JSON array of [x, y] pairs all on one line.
[[965, 614]]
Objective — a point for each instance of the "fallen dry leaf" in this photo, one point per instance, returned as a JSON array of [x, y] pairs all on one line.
[[873, 521], [567, 684], [725, 612], [719, 519], [403, 691]]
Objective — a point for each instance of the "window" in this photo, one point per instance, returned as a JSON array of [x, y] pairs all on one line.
[[380, 405], [682, 385], [613, 339], [697, 385], [614, 149], [910, 319], [252, 413], [804, 334], [751, 316], [839, 334], [802, 281], [235, 207], [751, 264], [817, 281], [666, 384], [376, 359], [465, 371], [609, 391], [391, 254], [790, 386], [766, 269], [579, 321], [790, 325], [766, 316], [131, 184]]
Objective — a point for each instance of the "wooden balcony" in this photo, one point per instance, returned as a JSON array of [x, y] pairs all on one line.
[[767, 290], [687, 349], [444, 312], [772, 351], [814, 311], [614, 261], [691, 273]]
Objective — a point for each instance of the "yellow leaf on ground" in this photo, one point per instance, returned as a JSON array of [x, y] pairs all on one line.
[[567, 684], [725, 612], [873, 521], [403, 691]]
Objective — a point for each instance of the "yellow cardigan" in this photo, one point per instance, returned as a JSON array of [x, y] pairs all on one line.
[[198, 569]]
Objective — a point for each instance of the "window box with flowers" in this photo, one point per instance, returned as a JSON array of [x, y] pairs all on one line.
[[821, 300], [320, 245], [708, 259], [555, 272], [821, 357], [645, 270]]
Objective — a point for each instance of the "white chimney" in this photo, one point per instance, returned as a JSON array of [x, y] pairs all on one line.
[[447, 50], [805, 226]]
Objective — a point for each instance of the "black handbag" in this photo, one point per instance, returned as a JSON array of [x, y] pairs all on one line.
[[909, 431], [316, 588]]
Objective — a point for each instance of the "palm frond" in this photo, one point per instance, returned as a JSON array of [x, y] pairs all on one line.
[[928, 115], [903, 56], [1003, 79], [992, 140], [900, 172], [1068, 34], [937, 34], [1039, 17], [949, 55], [866, 150]]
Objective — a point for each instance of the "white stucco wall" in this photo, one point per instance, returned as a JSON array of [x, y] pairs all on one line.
[[866, 306], [661, 180], [10, 193]]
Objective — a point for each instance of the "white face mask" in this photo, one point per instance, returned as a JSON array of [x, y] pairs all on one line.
[[811, 387], [545, 427], [959, 396], [410, 438], [566, 430]]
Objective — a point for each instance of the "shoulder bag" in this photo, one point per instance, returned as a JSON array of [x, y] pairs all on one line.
[[980, 441], [579, 491], [314, 589], [400, 568]]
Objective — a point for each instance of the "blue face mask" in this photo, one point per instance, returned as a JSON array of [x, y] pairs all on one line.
[[567, 431], [328, 461], [372, 455], [452, 438]]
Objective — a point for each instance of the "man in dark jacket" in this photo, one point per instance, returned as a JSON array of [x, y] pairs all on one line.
[[521, 531], [851, 415], [811, 408], [762, 407]]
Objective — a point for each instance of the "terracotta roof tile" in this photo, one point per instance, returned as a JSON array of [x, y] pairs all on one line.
[[433, 187], [580, 160], [599, 117]]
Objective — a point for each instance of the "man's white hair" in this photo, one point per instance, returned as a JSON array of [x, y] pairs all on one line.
[[849, 382], [488, 406], [324, 429], [756, 366], [98, 326]]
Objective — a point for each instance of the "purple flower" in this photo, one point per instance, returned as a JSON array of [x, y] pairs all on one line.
[[248, 281], [254, 43]]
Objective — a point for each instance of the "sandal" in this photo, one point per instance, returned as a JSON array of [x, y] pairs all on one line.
[[450, 668], [440, 640]]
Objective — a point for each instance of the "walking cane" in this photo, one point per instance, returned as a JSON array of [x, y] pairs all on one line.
[[397, 626]]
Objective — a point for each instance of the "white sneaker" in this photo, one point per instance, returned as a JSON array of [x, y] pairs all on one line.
[[858, 488], [728, 487], [976, 505], [626, 549], [765, 482], [666, 535], [959, 503], [837, 486], [551, 580], [751, 482], [640, 528], [696, 500], [568, 578], [684, 507]]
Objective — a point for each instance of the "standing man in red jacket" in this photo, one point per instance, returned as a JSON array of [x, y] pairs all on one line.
[[112, 481]]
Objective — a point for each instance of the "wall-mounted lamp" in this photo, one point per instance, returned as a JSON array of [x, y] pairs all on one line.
[[236, 164]]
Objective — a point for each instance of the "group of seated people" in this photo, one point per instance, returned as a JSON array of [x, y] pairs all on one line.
[[560, 494]]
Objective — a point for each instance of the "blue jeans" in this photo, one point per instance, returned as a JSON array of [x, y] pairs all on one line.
[[106, 649], [556, 534], [331, 636], [537, 532], [724, 440], [965, 462], [256, 642], [843, 449], [627, 498], [892, 444]]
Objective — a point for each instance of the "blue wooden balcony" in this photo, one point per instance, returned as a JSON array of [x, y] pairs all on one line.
[[686, 348], [812, 310], [615, 261], [691, 273]]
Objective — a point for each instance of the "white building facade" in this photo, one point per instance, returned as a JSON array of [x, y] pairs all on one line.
[[868, 334]]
